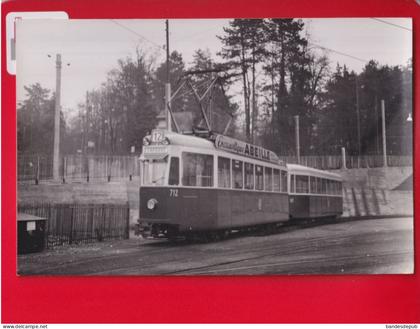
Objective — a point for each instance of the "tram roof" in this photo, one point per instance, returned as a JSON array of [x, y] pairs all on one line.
[[189, 140], [303, 170]]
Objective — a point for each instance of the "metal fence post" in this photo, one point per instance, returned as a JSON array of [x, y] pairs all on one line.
[[127, 233], [343, 156], [64, 169], [106, 166], [71, 225], [37, 172], [87, 168], [384, 133]]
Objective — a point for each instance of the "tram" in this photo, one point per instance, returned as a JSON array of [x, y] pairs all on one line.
[[314, 193], [206, 187], [192, 186]]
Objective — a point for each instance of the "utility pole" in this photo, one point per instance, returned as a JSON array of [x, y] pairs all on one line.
[[376, 122], [384, 132], [358, 118], [297, 138], [56, 156], [168, 83]]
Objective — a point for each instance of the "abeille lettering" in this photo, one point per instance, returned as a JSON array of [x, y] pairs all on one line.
[[239, 147]]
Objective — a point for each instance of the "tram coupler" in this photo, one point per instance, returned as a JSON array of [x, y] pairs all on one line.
[[143, 229]]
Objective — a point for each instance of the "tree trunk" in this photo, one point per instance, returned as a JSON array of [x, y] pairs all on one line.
[[253, 97], [246, 95]]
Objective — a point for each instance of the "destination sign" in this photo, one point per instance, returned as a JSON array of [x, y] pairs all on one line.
[[157, 136], [155, 149], [242, 148], [154, 152]]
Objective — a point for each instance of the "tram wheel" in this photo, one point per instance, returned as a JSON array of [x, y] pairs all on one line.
[[190, 238], [224, 234]]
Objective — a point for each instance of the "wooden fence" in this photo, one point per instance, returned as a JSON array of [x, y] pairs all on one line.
[[330, 162], [78, 167], [93, 167], [31, 167], [76, 223]]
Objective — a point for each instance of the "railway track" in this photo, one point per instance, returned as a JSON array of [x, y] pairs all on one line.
[[308, 247]]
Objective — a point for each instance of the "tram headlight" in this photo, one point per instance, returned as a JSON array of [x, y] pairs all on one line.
[[165, 141], [151, 204]]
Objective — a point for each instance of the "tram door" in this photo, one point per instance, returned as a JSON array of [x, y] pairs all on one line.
[[190, 207]]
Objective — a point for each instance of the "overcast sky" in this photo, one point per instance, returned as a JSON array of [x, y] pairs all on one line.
[[92, 47]]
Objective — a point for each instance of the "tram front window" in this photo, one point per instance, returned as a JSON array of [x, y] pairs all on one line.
[[154, 171], [197, 169]]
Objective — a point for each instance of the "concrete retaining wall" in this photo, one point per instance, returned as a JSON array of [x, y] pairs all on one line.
[[371, 191], [371, 201]]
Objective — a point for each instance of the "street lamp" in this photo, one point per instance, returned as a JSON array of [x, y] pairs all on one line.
[[409, 118]]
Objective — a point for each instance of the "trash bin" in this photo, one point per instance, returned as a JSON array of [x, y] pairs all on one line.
[[31, 233]]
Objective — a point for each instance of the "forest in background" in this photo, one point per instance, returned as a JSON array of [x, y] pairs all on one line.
[[270, 72]]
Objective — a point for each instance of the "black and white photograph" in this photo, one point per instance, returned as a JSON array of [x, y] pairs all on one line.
[[214, 147]]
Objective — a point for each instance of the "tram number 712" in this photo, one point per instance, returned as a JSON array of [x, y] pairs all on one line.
[[173, 193]]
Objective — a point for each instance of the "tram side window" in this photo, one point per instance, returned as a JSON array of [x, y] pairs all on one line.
[[259, 178], [197, 169], [302, 184], [312, 184], [324, 186], [276, 180], [283, 181], [340, 188], [334, 187], [330, 187], [237, 169], [337, 188], [268, 179], [174, 171], [319, 185], [249, 176], [224, 172], [292, 183]]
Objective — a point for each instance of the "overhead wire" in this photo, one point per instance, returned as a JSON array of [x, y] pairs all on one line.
[[339, 52], [391, 24], [137, 34]]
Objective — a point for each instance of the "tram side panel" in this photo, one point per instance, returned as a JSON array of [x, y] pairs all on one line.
[[299, 206], [249, 208], [191, 209], [187, 208], [276, 207], [315, 206], [225, 207]]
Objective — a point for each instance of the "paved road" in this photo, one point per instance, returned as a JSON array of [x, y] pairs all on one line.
[[358, 246]]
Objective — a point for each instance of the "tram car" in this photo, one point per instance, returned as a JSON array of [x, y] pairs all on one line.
[[314, 193], [208, 186]]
